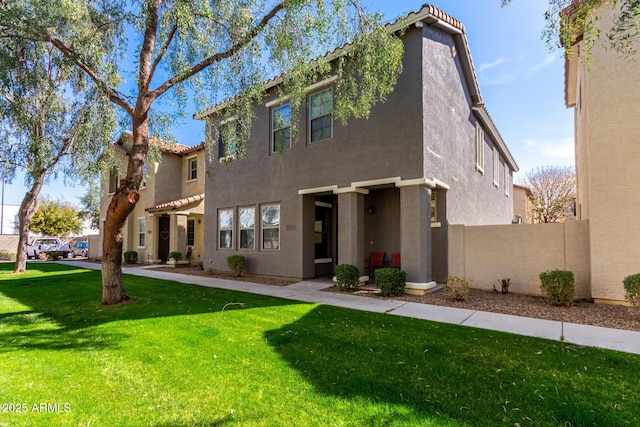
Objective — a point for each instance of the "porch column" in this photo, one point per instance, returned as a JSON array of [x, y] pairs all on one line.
[[415, 232], [178, 233], [351, 229]]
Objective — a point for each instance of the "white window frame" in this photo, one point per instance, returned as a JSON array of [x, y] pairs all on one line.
[[142, 233], [507, 180], [113, 180], [479, 149], [190, 170], [496, 168], [241, 228], [274, 129], [311, 119], [226, 229], [270, 227]]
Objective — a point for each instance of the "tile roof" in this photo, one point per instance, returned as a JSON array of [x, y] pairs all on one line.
[[178, 149], [176, 204]]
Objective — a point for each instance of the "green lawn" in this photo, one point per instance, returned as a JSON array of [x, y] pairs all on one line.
[[174, 357]]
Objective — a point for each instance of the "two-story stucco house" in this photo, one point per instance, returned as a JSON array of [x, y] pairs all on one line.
[[604, 94], [170, 213], [428, 157]]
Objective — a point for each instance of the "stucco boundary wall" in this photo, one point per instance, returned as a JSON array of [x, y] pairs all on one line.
[[95, 246], [486, 254], [9, 242]]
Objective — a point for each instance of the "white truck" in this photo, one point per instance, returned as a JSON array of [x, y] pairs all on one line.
[[47, 244]]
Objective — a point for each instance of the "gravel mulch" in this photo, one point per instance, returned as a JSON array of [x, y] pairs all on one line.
[[583, 311]]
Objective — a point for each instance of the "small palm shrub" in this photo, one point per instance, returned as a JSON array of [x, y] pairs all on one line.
[[347, 277], [558, 286], [457, 288], [391, 281], [632, 287], [237, 264], [176, 256], [130, 257]]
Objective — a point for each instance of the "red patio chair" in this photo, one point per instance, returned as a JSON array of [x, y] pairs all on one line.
[[376, 260], [395, 260]]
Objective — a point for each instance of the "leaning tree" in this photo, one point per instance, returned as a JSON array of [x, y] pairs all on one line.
[[52, 121], [214, 49]]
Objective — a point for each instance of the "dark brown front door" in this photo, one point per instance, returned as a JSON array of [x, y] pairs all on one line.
[[163, 238]]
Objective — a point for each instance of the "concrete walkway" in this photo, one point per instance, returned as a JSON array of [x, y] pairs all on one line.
[[311, 291]]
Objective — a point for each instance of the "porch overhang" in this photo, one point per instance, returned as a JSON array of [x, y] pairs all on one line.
[[363, 187], [174, 205]]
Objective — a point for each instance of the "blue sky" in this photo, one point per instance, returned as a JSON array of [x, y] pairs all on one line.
[[521, 81]]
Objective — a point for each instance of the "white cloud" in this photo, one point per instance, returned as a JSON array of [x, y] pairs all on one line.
[[550, 59], [560, 149], [490, 65]]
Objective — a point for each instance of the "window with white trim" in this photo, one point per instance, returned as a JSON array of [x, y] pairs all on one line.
[[281, 128], [225, 228], [247, 225], [113, 180], [270, 220], [142, 232], [321, 115], [479, 148], [496, 168], [228, 139], [507, 180], [193, 168]]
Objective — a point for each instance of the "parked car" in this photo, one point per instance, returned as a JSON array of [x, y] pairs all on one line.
[[47, 244], [80, 248]]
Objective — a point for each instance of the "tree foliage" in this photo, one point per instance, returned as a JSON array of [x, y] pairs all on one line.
[[90, 203], [221, 49], [553, 191], [56, 218], [568, 21]]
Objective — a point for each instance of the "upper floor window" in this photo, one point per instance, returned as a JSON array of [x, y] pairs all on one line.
[[228, 139], [193, 168], [320, 115], [281, 128], [143, 184], [479, 148]]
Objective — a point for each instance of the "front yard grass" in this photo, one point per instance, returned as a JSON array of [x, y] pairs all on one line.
[[184, 355]]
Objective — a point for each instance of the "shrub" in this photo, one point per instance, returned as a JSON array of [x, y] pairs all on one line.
[[347, 277], [632, 287], [504, 285], [176, 256], [7, 256], [237, 264], [558, 286], [130, 257], [53, 255], [391, 281], [457, 288]]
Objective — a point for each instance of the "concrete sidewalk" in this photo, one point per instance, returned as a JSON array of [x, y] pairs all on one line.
[[311, 291]]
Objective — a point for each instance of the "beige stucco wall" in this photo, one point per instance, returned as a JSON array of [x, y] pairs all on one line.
[[486, 254], [95, 247], [608, 155], [9, 242]]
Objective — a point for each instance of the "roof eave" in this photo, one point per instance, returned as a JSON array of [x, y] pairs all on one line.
[[483, 115]]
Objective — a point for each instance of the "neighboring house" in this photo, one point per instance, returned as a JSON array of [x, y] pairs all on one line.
[[522, 205], [604, 93], [428, 157], [170, 213], [9, 221]]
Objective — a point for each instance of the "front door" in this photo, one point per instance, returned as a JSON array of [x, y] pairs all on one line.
[[324, 230], [163, 238]]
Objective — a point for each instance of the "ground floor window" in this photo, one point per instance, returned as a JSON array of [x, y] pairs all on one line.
[[142, 232], [247, 221], [271, 227], [191, 232], [225, 228]]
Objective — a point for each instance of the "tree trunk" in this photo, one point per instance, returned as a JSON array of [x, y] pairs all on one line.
[[122, 204], [27, 210]]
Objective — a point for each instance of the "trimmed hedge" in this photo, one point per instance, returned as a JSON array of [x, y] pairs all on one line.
[[130, 257], [632, 287], [347, 277], [457, 288], [237, 264], [558, 286], [176, 256], [391, 281]]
